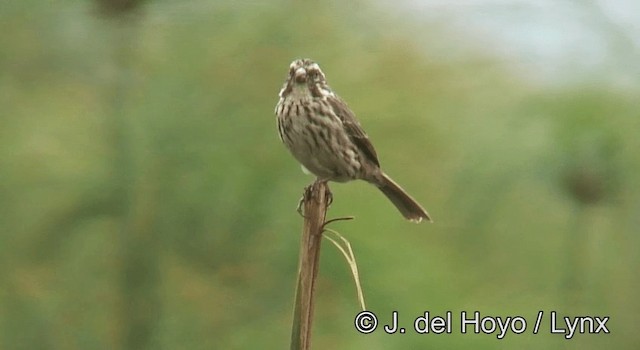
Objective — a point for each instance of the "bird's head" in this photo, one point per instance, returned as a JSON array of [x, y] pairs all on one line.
[[306, 75]]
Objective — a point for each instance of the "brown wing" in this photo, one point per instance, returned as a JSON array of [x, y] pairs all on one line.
[[353, 128]]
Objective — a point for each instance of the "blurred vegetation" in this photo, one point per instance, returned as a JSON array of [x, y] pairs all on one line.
[[145, 200]]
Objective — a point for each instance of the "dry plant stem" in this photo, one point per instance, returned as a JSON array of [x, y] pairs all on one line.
[[316, 200]]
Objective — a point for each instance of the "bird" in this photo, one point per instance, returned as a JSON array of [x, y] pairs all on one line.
[[322, 133]]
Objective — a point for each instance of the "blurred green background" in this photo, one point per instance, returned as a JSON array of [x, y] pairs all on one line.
[[147, 203]]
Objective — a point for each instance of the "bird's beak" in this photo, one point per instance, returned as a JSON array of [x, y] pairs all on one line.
[[300, 75]]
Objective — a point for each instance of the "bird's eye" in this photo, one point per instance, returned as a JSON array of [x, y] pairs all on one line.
[[313, 73]]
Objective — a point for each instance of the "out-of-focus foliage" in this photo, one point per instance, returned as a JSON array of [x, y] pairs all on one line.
[[145, 200]]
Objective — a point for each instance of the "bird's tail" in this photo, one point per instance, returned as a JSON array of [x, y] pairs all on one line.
[[407, 206]]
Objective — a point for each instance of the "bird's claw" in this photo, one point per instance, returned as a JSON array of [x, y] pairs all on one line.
[[307, 193], [299, 208]]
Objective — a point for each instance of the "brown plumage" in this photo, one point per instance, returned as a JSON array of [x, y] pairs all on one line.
[[323, 134]]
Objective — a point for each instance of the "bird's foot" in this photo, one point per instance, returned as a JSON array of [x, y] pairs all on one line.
[[307, 193]]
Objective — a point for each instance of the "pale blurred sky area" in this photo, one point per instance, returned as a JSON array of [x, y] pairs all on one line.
[[555, 41]]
